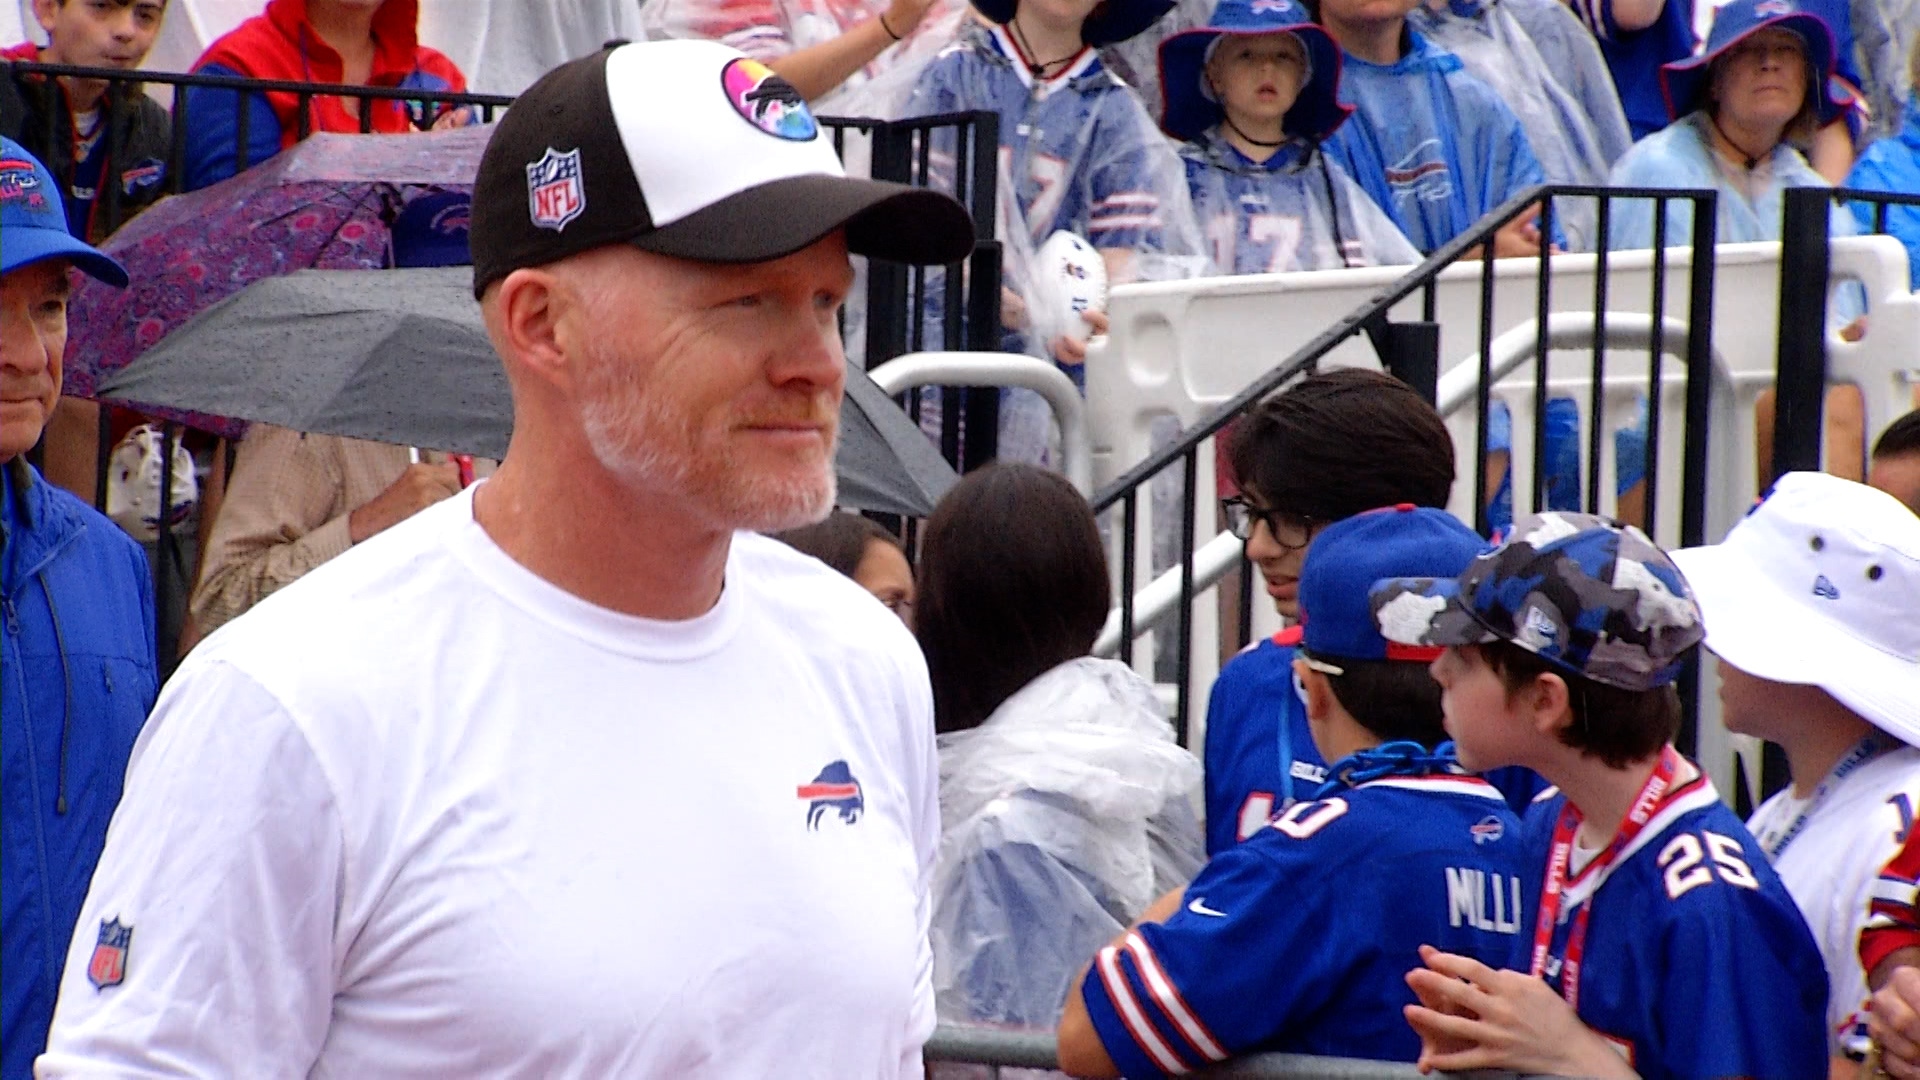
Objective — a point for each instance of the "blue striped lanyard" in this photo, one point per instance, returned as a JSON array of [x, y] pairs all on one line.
[[1864, 751]]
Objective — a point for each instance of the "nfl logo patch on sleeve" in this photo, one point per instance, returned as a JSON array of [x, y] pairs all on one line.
[[555, 193], [109, 964]]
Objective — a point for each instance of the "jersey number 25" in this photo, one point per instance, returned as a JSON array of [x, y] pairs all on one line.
[[1682, 860]]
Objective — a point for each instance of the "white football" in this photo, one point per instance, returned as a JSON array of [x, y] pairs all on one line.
[[1069, 277]]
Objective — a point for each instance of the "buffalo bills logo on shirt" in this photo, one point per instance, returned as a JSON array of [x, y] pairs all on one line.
[[767, 101], [1425, 170], [1487, 830], [556, 193], [108, 967], [834, 789], [144, 175]]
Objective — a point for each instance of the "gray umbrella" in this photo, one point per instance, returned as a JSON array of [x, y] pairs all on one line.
[[401, 356]]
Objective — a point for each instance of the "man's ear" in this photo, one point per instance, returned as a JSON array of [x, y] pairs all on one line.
[[1548, 704], [531, 313], [1319, 697], [43, 13]]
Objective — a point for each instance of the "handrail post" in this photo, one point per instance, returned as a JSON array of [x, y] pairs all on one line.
[[1800, 378]]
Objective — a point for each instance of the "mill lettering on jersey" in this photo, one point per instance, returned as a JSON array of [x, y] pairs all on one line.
[[1482, 900]]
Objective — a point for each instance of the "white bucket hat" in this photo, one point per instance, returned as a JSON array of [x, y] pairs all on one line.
[[1820, 586]]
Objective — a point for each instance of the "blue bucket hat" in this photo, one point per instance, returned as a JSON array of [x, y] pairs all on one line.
[[1590, 596], [33, 220], [1685, 82], [1191, 108], [1111, 21]]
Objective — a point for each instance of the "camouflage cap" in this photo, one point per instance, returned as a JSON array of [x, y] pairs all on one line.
[[1586, 594]]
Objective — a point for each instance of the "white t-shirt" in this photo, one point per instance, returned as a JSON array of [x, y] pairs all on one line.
[[1831, 865], [424, 814]]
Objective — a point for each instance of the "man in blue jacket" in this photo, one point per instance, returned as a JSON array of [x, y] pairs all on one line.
[[77, 671]]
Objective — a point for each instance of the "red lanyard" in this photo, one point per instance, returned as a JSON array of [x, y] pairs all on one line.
[[1553, 891]]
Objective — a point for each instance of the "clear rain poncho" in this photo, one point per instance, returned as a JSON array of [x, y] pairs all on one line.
[[1884, 31], [1077, 153], [1681, 156], [1137, 59], [1572, 148], [1063, 817], [1294, 211], [1574, 57], [769, 29]]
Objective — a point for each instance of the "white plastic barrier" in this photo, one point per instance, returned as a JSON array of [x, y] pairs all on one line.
[[1181, 348]]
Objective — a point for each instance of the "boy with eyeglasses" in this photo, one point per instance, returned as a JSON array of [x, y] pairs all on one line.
[[1331, 446]]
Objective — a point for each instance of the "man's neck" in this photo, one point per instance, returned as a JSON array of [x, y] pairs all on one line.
[[83, 95], [1819, 744], [1340, 735], [1602, 794], [570, 523], [347, 30], [1046, 42], [1241, 133], [1744, 144], [1375, 42]]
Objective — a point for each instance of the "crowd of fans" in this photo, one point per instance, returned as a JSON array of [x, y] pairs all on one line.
[[1270, 135]]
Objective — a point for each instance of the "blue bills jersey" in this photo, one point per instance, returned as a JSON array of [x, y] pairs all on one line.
[[1434, 146], [1078, 148], [1257, 732], [1696, 962], [1293, 211], [1300, 939]]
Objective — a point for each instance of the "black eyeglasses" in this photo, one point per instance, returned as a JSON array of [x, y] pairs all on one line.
[[1291, 533]]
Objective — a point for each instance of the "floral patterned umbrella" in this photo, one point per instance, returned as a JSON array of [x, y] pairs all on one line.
[[325, 204]]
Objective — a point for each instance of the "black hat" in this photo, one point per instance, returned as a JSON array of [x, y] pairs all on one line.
[[688, 149]]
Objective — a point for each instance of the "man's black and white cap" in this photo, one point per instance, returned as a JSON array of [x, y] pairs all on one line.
[[689, 149]]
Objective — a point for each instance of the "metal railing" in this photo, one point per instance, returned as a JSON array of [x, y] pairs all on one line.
[[897, 298], [1412, 351], [999, 1049]]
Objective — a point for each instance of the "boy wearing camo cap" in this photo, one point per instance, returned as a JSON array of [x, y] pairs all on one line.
[[1661, 943]]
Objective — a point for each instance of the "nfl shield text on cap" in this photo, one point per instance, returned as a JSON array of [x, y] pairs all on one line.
[[688, 149], [33, 220]]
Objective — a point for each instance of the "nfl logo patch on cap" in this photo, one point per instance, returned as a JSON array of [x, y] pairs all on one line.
[[555, 194]]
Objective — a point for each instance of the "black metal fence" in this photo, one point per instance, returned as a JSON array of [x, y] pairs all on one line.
[[897, 299], [1805, 280], [1411, 349]]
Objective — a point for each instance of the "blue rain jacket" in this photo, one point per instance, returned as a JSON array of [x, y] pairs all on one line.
[[76, 667], [1434, 146], [1893, 164]]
